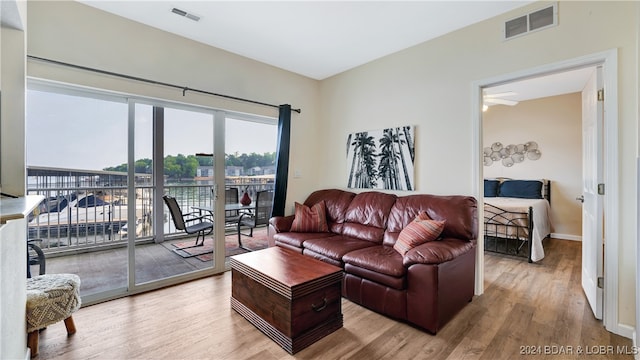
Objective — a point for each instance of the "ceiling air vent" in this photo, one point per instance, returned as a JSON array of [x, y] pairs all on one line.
[[533, 21], [185, 14]]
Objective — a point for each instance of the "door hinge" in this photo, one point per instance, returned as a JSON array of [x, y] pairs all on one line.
[[601, 95], [600, 189], [601, 282]]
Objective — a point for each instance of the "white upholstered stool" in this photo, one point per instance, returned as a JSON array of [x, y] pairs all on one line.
[[51, 298]]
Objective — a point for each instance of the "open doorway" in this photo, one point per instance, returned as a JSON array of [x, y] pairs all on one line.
[[532, 130], [608, 133]]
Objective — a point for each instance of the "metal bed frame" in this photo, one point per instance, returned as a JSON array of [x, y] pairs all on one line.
[[504, 232]]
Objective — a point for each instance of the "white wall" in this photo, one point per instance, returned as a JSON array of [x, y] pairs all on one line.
[[13, 262], [13, 284], [12, 107], [555, 124], [430, 85]]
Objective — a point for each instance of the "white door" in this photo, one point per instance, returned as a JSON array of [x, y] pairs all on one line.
[[592, 207]]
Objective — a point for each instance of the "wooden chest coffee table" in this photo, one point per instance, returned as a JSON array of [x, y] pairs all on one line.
[[294, 299]]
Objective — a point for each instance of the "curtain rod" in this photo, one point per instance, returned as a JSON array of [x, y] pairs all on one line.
[[183, 88]]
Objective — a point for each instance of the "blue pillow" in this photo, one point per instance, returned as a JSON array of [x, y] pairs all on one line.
[[525, 189], [491, 188]]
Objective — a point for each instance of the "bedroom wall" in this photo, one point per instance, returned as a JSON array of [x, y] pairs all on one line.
[[72, 32], [555, 124], [430, 86]]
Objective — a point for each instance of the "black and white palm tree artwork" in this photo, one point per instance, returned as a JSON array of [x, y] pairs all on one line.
[[382, 159]]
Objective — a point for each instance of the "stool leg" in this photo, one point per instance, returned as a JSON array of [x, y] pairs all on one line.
[[70, 325], [32, 343]]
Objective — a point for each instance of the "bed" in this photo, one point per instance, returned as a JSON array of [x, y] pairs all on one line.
[[517, 217]]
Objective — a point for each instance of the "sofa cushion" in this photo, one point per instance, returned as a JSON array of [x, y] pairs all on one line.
[[310, 219], [437, 252], [381, 259], [422, 216], [367, 216], [419, 231], [336, 203], [297, 239], [457, 210], [321, 257], [398, 283], [335, 247]]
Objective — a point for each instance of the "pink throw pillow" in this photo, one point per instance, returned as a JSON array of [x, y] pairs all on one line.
[[419, 231], [422, 216], [310, 219]]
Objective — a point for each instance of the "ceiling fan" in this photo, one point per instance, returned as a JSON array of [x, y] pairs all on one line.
[[498, 99]]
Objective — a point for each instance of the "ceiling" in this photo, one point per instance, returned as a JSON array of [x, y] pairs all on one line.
[[319, 39], [10, 15], [543, 86]]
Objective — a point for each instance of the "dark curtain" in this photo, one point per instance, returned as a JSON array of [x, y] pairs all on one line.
[[282, 161]]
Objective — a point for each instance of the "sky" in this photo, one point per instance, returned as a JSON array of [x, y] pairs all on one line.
[[86, 133]]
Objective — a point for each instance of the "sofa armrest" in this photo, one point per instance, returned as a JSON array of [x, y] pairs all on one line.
[[437, 252], [281, 223]]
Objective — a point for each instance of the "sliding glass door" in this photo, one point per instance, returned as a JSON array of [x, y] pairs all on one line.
[[105, 161], [76, 158], [183, 179]]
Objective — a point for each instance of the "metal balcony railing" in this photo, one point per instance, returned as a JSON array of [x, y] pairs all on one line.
[[90, 218]]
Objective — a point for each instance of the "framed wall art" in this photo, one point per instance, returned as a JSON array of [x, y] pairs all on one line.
[[381, 159]]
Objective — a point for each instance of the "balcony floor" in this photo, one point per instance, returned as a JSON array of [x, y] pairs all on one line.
[[105, 270]]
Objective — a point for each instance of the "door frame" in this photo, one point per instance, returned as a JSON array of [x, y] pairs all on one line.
[[609, 61]]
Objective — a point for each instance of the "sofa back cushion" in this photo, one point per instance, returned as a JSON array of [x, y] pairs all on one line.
[[336, 203], [367, 215], [460, 213]]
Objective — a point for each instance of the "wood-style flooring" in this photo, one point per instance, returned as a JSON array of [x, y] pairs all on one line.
[[526, 308]]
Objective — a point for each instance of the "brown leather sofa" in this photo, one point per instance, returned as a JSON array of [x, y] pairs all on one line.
[[425, 287]]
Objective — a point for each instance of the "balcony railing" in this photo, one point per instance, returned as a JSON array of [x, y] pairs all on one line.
[[89, 218]]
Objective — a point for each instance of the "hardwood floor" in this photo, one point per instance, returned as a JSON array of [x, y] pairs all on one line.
[[524, 306]]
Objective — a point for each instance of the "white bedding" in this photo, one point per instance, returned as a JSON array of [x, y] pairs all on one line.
[[541, 219]]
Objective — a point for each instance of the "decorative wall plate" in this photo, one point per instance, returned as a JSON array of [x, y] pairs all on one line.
[[511, 154]]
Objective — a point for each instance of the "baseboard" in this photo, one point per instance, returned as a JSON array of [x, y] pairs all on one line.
[[566, 237], [624, 330], [629, 332]]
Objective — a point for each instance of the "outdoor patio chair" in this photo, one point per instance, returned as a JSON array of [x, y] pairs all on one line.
[[35, 256], [231, 217], [180, 220], [259, 215]]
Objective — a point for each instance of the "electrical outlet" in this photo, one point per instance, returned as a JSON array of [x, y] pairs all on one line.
[[297, 174]]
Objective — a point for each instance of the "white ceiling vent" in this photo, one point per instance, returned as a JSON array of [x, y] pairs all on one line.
[[185, 14], [533, 21]]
